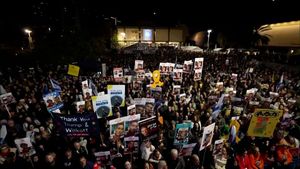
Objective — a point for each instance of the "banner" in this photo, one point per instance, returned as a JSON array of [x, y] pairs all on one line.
[[53, 101], [187, 66], [102, 106], [103, 157], [80, 106], [131, 110], [207, 136], [7, 98], [197, 74], [131, 125], [263, 122], [25, 147], [198, 64], [79, 125], [117, 95], [73, 70], [118, 74], [149, 107], [187, 149], [131, 145], [177, 75], [138, 65], [182, 133], [148, 128]]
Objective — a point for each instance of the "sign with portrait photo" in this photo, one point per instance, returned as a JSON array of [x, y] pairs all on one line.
[[53, 101], [187, 66], [198, 64], [118, 74], [117, 127], [182, 133], [25, 147], [163, 68], [138, 65], [197, 74], [149, 107], [132, 125], [103, 157], [177, 76], [131, 110], [148, 128], [131, 145], [207, 136]]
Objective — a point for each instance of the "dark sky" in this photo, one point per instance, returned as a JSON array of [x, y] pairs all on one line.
[[197, 15]]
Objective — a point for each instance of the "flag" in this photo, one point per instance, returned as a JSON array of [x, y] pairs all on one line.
[[55, 85], [93, 87], [280, 84]]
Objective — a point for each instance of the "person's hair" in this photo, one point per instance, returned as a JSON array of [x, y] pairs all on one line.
[[162, 164]]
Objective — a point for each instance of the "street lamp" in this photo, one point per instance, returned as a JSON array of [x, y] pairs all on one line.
[[28, 31], [208, 31]]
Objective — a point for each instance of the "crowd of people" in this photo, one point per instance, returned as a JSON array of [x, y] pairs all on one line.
[[277, 88]]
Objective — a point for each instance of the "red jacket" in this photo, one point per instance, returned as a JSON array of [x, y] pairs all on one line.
[[243, 161]]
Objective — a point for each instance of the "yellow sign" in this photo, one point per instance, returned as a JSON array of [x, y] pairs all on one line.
[[156, 79], [73, 70], [263, 122]]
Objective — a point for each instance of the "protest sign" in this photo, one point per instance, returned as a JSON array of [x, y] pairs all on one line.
[[80, 106], [138, 65], [117, 95], [7, 98], [187, 66], [218, 147], [73, 70], [140, 106], [103, 157], [182, 133], [53, 101], [117, 127], [198, 64], [177, 75], [187, 149], [148, 128], [131, 125], [149, 107], [79, 125], [208, 134], [87, 93], [263, 122], [197, 74], [84, 84], [140, 75], [163, 68], [118, 74], [102, 106], [171, 67], [25, 147], [131, 110], [131, 145], [176, 89]]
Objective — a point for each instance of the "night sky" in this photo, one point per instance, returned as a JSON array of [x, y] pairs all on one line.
[[222, 15]]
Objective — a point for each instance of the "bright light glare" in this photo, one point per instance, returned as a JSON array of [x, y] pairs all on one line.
[[27, 31], [209, 31]]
